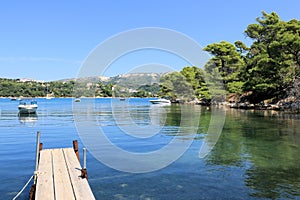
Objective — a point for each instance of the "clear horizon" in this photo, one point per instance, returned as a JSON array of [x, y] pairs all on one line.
[[50, 40]]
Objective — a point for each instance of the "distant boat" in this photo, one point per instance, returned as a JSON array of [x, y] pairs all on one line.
[[77, 100], [122, 99], [48, 96], [27, 106], [161, 101], [15, 99]]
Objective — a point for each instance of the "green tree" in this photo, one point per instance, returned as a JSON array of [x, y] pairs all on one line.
[[273, 58], [176, 86], [195, 77], [228, 61]]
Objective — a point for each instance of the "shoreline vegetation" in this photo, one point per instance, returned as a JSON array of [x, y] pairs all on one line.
[[265, 75]]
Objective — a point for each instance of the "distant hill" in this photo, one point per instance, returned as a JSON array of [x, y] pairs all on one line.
[[132, 80], [87, 79], [135, 81], [134, 84]]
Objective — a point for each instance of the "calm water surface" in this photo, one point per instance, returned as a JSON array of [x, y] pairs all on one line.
[[256, 157]]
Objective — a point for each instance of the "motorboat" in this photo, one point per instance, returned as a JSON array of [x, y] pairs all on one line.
[[15, 99], [27, 106], [77, 100], [161, 101]]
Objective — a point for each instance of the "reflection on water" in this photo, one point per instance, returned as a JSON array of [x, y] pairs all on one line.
[[268, 147], [257, 153], [28, 119]]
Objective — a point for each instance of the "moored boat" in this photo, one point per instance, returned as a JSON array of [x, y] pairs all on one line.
[[161, 101], [77, 100], [27, 106], [48, 97]]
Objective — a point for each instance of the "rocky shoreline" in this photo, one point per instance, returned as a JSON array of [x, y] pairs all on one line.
[[290, 104]]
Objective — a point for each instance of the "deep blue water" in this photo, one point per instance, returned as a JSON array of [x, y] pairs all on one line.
[[256, 156]]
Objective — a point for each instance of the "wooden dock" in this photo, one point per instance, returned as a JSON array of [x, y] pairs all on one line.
[[59, 176]]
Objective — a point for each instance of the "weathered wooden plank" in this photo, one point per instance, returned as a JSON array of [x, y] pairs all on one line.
[[62, 182], [81, 187], [59, 177], [44, 186]]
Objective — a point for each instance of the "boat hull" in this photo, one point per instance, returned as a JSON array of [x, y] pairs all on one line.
[[27, 109], [77, 100], [161, 101]]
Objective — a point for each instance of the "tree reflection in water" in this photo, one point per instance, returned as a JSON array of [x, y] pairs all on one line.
[[267, 146]]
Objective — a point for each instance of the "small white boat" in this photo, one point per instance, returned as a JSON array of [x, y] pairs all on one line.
[[77, 100], [27, 106], [161, 101], [48, 97]]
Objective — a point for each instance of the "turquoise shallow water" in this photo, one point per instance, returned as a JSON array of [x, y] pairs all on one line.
[[256, 156]]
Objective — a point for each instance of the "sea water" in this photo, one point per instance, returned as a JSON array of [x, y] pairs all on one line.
[[256, 155]]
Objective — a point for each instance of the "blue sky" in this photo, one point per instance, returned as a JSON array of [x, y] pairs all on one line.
[[49, 40]]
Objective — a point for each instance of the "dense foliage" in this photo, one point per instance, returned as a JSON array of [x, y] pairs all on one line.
[[269, 67], [17, 88], [187, 84]]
